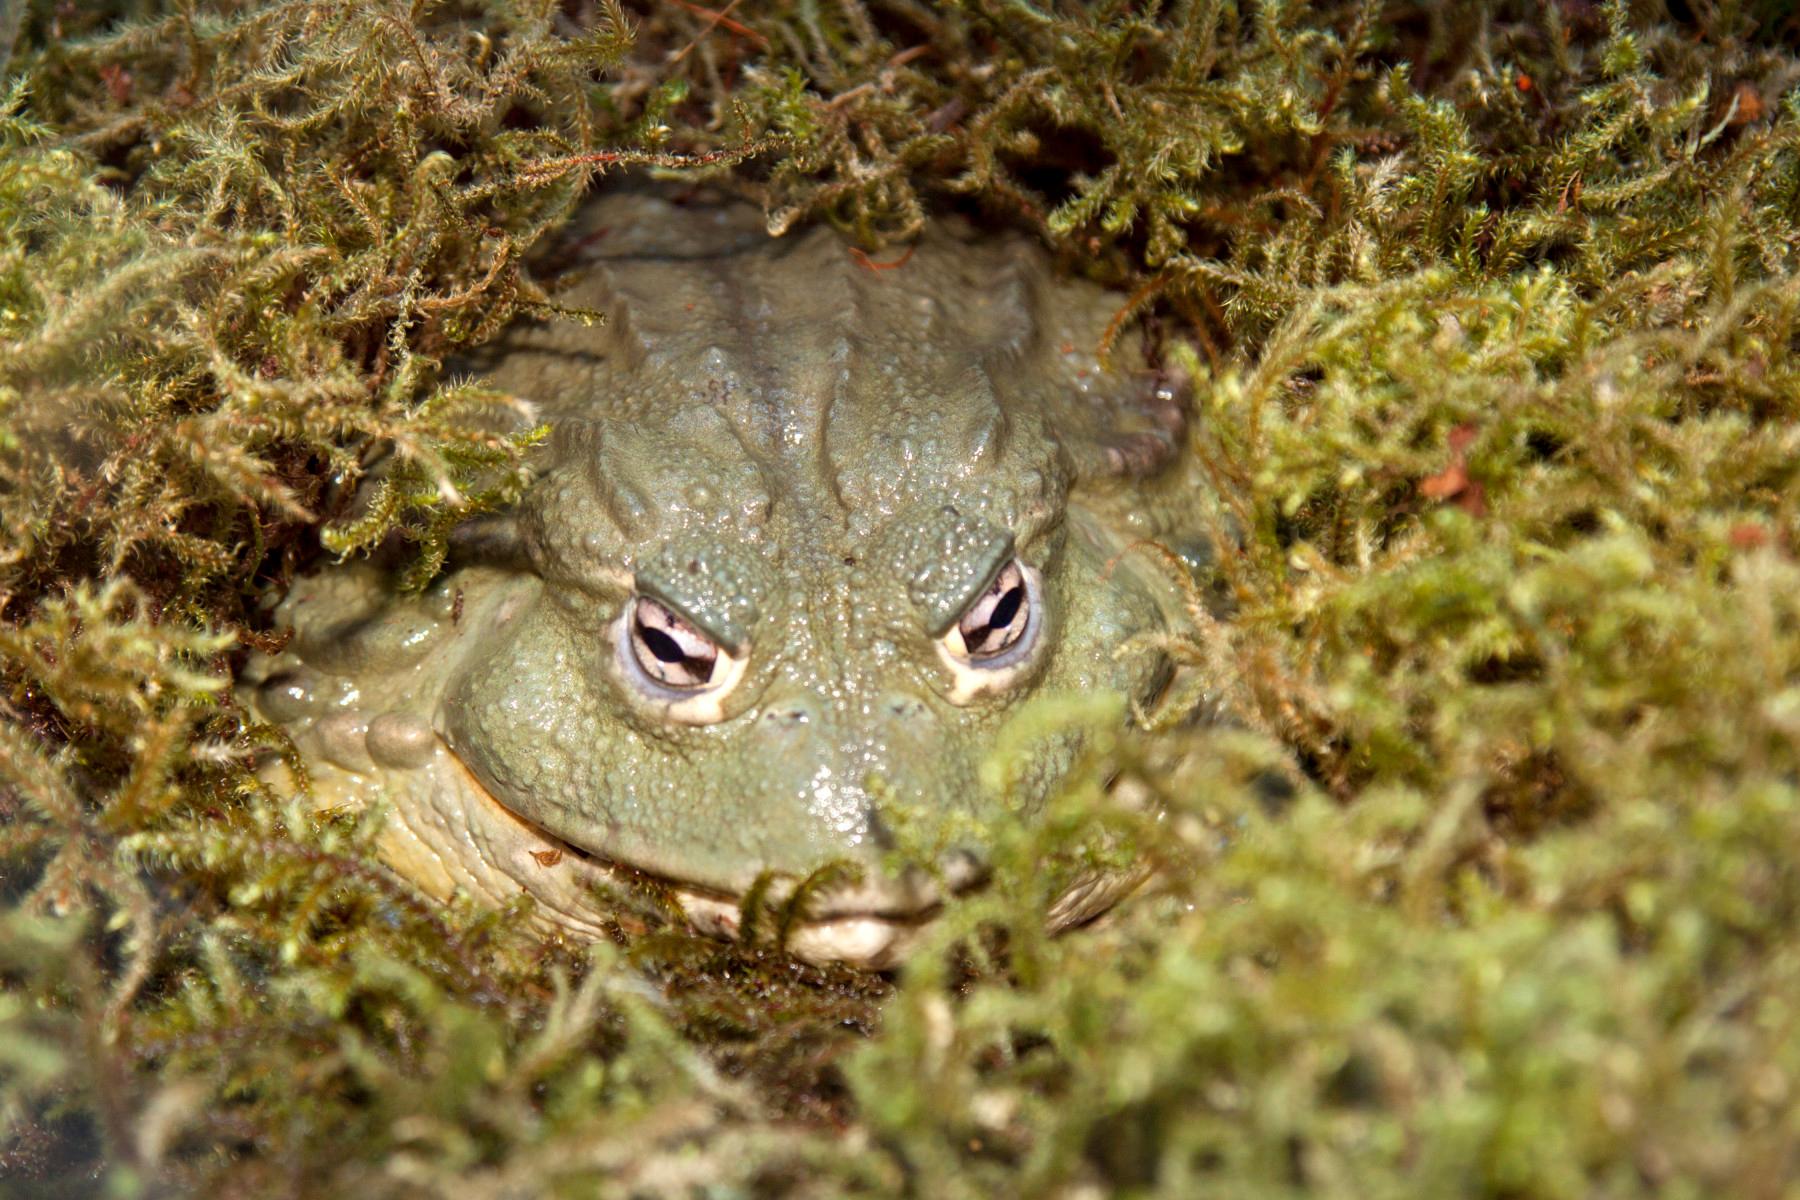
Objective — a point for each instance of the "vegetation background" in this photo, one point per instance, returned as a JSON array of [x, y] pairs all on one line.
[[1491, 310]]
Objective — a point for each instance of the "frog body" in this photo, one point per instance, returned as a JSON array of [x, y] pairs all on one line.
[[807, 533]]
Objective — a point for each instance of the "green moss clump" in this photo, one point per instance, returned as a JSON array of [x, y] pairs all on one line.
[[1487, 887]]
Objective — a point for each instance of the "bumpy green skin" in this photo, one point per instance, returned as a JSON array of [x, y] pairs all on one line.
[[820, 463]]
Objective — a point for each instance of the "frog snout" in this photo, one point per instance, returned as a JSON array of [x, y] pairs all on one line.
[[855, 779]]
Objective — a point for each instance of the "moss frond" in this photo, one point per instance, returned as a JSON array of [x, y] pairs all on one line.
[[1474, 806]]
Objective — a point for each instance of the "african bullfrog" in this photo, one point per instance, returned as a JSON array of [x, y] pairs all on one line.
[[806, 533]]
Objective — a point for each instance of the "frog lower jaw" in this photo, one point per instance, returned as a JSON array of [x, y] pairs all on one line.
[[448, 833]]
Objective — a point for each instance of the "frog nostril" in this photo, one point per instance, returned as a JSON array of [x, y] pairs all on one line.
[[904, 706], [788, 715]]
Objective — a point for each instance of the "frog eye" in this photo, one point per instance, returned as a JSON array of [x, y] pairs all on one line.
[[668, 649], [998, 628], [674, 665]]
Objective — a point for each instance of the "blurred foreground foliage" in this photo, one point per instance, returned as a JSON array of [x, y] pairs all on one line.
[[1492, 313]]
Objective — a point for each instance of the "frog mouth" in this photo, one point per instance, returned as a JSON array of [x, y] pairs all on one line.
[[855, 926], [471, 840]]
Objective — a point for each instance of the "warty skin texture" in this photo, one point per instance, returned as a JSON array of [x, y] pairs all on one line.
[[819, 465]]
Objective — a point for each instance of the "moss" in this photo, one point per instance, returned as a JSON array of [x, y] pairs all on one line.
[[1487, 885]]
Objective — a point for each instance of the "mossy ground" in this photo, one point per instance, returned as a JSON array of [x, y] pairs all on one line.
[[1492, 312]]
